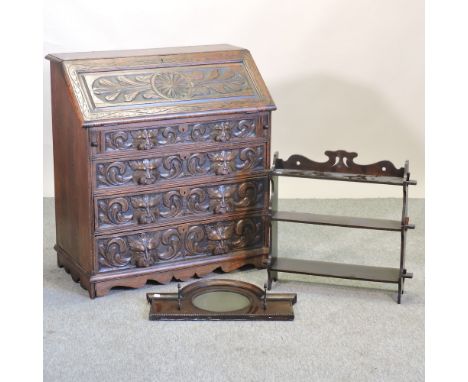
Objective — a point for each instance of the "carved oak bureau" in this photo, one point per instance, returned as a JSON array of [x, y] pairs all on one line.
[[161, 162]]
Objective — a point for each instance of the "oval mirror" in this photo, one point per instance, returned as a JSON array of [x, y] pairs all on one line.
[[221, 301]]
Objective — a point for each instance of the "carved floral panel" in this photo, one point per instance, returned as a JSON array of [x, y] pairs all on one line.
[[150, 138], [155, 170], [169, 85], [182, 202], [174, 244]]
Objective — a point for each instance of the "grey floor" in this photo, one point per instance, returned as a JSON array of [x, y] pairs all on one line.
[[343, 330]]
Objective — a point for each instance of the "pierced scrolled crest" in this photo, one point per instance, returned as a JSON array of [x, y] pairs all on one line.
[[113, 253]]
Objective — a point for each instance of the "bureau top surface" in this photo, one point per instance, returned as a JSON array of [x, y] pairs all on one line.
[[116, 86]]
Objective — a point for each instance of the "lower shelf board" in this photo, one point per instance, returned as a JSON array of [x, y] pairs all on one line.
[[339, 221], [337, 270]]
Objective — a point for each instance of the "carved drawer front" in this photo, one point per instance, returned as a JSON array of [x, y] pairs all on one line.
[[180, 203], [179, 243], [148, 138], [158, 169]]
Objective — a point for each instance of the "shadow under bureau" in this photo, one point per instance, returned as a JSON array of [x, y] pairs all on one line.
[[161, 162]]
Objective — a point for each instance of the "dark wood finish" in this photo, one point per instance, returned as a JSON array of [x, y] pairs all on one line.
[[161, 159], [390, 180], [340, 161], [338, 270], [261, 305], [339, 221], [72, 171], [340, 166]]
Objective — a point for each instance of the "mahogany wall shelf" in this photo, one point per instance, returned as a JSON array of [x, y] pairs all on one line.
[[341, 167]]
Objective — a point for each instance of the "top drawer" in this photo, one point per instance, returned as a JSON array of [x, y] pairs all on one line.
[[219, 130]]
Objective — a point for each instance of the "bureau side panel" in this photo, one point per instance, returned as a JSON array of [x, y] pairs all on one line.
[[73, 202]]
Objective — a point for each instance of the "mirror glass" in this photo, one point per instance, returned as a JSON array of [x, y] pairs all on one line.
[[221, 301]]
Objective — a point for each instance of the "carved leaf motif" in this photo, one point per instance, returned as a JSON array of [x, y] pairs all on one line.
[[198, 200], [113, 174], [170, 135], [172, 200], [150, 248], [113, 253], [111, 88], [145, 139], [196, 164], [248, 194], [194, 240], [199, 132], [244, 128], [118, 140], [171, 85], [173, 166], [247, 231], [148, 171], [249, 158], [114, 211], [171, 241]]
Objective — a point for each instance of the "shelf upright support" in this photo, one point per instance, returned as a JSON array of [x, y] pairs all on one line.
[[404, 229], [273, 275]]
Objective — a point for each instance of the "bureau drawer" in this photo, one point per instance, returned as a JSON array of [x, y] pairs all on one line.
[[181, 203], [180, 243], [147, 138], [156, 170]]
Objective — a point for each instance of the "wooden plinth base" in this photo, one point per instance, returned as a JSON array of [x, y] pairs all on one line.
[[100, 284]]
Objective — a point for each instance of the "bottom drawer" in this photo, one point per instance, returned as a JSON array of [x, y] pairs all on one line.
[[178, 243]]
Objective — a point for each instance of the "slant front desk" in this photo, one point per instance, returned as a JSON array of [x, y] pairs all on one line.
[[161, 164]]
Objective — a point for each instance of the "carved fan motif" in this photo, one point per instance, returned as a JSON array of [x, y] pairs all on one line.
[[172, 85]]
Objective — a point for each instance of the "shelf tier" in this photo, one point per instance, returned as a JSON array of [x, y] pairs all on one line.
[[337, 270], [339, 221], [391, 180]]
